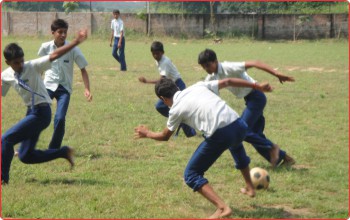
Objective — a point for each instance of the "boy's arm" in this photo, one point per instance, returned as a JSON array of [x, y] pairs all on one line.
[[112, 37], [144, 80], [235, 82], [120, 39], [85, 77], [143, 132], [81, 36], [262, 66]]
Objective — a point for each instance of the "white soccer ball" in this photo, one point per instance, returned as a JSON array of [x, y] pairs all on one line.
[[260, 178]]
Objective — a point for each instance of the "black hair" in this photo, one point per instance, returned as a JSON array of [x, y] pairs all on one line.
[[157, 46], [116, 11], [207, 56], [166, 88], [13, 51], [58, 23]]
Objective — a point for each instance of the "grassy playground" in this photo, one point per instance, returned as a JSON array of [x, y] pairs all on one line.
[[118, 177]]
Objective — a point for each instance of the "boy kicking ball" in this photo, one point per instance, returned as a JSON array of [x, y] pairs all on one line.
[[200, 107], [25, 78]]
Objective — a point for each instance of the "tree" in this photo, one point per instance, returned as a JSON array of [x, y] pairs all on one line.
[[70, 6]]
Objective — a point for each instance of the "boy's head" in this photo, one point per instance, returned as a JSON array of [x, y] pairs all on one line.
[[116, 13], [157, 50], [165, 89], [59, 29], [14, 57], [208, 60]]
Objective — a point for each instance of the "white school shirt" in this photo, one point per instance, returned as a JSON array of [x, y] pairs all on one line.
[[167, 68], [233, 70], [61, 71], [200, 107], [117, 25], [31, 75]]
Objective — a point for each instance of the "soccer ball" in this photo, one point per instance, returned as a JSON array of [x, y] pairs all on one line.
[[260, 178]]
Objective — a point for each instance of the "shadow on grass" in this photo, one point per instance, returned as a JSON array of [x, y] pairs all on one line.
[[262, 212], [65, 181]]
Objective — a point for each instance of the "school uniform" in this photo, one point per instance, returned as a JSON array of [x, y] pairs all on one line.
[[255, 102], [38, 117], [58, 82], [167, 69], [201, 108], [117, 25]]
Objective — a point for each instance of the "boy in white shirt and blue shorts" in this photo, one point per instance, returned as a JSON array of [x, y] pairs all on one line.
[[25, 78], [166, 69], [255, 102], [59, 78], [201, 108]]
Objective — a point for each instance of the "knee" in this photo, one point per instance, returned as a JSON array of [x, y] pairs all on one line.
[[24, 158], [194, 180]]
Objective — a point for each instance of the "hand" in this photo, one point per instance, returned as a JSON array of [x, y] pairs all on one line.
[[81, 35], [283, 78], [142, 79], [264, 87], [110, 44], [141, 132], [88, 95], [119, 45]]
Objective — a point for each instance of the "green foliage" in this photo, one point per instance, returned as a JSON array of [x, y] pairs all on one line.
[[70, 6], [119, 177]]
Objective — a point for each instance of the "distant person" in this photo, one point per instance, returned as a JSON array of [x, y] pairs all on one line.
[[255, 102], [118, 34], [59, 78], [168, 70], [201, 108], [25, 78]]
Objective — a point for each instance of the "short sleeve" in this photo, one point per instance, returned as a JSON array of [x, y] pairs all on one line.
[[174, 121], [79, 58], [42, 51], [112, 26], [213, 86], [121, 26]]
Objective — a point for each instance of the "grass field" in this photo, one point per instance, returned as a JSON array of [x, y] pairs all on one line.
[[119, 177]]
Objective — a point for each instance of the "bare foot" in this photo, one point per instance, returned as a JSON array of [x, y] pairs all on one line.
[[70, 158], [248, 191], [221, 213], [274, 155], [16, 154], [288, 161]]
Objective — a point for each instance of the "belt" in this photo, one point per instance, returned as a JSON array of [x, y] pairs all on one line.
[[40, 105]]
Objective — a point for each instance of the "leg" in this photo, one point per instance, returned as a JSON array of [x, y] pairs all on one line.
[[162, 108], [253, 116], [122, 55], [63, 98], [115, 49], [205, 155], [223, 210]]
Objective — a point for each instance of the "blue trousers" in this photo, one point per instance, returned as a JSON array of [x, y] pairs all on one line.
[[164, 110], [253, 116], [27, 133], [229, 137], [121, 56], [63, 97]]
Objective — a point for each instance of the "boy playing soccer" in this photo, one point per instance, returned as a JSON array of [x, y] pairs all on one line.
[[118, 36], [59, 78], [255, 102], [201, 108], [168, 70], [25, 78]]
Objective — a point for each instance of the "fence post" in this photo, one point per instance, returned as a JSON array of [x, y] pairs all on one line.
[[331, 31], [261, 27]]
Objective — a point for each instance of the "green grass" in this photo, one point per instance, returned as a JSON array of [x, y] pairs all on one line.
[[119, 177]]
